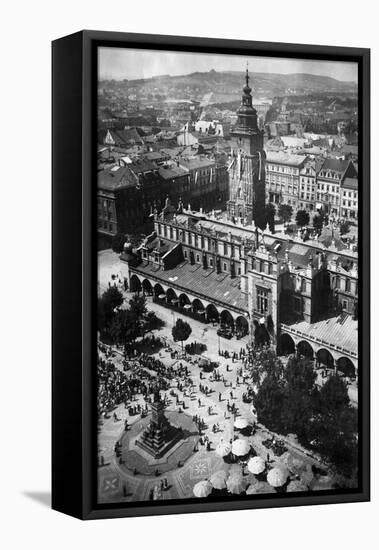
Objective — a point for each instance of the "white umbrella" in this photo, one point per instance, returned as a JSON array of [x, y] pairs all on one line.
[[307, 476], [296, 486], [256, 465], [277, 476], [202, 489], [235, 470], [236, 484], [240, 447], [223, 449], [321, 483], [294, 464], [218, 479], [241, 423]]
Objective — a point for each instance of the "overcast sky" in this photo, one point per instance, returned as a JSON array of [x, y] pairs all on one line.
[[120, 63]]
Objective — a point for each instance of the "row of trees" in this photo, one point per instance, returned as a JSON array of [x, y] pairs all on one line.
[[288, 401], [302, 218], [120, 325]]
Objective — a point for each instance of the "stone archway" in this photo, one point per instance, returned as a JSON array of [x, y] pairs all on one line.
[[304, 348], [346, 366], [197, 306], [184, 301], [172, 297], [147, 287], [227, 319], [212, 314], [242, 326], [324, 357], [159, 292], [286, 344], [135, 284]]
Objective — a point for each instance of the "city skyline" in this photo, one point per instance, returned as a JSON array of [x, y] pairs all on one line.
[[133, 64]]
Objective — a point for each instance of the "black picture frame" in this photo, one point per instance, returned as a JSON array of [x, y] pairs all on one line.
[[74, 74]]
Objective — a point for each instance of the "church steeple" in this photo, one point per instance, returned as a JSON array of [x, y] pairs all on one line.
[[247, 116], [247, 169]]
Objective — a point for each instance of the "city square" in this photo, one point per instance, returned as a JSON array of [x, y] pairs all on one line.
[[227, 293]]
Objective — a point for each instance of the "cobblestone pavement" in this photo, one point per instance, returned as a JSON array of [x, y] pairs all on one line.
[[116, 483]]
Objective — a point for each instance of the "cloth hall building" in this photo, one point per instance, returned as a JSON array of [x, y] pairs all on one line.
[[228, 269]]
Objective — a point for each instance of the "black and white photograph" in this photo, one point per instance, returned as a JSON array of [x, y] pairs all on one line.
[[227, 276]]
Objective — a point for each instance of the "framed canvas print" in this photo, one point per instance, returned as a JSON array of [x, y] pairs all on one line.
[[210, 275]]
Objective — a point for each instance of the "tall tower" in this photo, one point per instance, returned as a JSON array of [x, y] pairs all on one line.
[[247, 165]]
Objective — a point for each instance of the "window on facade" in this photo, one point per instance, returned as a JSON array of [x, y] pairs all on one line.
[[303, 285], [338, 282], [262, 300], [348, 285], [296, 303], [344, 304]]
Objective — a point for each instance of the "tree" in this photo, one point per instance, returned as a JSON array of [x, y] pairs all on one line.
[[270, 216], [269, 403], [318, 221], [300, 374], [302, 218], [110, 300], [300, 378], [138, 310], [151, 322], [333, 395], [334, 436], [344, 227], [122, 329], [118, 242], [181, 331], [285, 212]]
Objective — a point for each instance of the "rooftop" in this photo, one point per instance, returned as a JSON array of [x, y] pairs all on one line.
[[340, 332], [351, 183], [283, 158], [205, 283], [196, 163], [115, 178]]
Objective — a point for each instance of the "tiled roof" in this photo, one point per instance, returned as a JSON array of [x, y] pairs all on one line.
[[283, 158], [336, 165], [117, 177], [339, 331], [194, 164], [350, 183], [172, 172], [142, 165], [205, 283], [125, 137]]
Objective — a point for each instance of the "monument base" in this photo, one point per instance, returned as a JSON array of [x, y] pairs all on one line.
[[161, 442]]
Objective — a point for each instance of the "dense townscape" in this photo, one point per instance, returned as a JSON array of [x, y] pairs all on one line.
[[228, 286]]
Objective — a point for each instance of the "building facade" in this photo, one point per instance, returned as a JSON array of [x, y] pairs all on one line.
[[330, 180], [292, 294], [283, 173]]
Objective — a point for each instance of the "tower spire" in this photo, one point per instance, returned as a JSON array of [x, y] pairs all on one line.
[[247, 77]]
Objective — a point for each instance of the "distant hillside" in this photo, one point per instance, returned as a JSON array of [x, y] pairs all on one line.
[[227, 85]]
